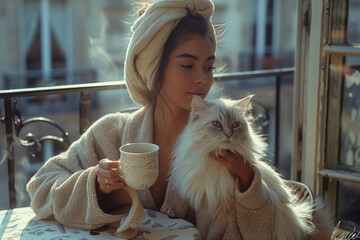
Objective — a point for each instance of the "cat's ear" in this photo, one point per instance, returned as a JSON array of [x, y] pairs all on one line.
[[198, 104], [245, 102]]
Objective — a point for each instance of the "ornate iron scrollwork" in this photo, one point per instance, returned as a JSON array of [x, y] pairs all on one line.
[[261, 114], [30, 139]]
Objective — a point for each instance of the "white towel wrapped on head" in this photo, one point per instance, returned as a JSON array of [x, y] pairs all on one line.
[[150, 32]]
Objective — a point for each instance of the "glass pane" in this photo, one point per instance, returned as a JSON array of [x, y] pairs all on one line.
[[345, 18], [343, 140], [350, 122], [339, 18], [349, 204], [353, 22]]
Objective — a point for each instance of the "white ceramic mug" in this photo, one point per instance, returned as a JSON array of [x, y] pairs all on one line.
[[139, 164]]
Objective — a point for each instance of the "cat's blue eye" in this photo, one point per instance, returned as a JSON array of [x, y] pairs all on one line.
[[236, 124], [216, 123]]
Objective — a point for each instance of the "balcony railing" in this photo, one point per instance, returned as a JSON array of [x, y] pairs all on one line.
[[14, 122]]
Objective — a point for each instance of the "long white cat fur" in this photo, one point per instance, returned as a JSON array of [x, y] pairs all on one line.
[[209, 186]]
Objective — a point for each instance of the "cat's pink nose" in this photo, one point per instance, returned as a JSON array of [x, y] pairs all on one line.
[[228, 135]]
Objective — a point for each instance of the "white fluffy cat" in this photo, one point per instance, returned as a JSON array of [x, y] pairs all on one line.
[[209, 186]]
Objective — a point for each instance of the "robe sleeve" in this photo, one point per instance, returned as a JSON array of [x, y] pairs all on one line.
[[254, 211], [64, 187]]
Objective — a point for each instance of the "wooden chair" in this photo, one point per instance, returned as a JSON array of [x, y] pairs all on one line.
[[321, 218], [302, 191]]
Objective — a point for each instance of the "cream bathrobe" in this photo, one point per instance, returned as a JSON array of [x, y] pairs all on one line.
[[64, 188]]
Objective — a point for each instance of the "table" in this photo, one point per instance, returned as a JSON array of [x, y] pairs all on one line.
[[21, 223]]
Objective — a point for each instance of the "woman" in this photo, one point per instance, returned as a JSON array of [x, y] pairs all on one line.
[[169, 59]]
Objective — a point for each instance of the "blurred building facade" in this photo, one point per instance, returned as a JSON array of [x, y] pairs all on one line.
[[39, 37]]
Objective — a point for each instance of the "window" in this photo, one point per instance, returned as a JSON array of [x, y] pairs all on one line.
[[342, 149], [329, 136]]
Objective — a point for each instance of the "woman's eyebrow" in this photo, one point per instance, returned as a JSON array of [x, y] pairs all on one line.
[[187, 55]]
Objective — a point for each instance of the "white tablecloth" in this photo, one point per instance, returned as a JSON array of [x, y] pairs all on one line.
[[21, 223]]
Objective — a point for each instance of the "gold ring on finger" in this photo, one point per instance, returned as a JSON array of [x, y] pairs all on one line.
[[121, 179], [107, 182]]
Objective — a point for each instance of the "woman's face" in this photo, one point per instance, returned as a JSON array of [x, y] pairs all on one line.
[[189, 71]]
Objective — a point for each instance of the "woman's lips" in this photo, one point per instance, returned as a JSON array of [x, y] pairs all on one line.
[[201, 94]]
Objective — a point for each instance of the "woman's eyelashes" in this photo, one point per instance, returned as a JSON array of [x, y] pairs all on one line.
[[189, 67]]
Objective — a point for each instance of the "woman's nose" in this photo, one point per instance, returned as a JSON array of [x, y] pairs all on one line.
[[202, 78]]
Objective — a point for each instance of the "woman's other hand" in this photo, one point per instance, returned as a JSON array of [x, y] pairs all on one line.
[[108, 178], [237, 166]]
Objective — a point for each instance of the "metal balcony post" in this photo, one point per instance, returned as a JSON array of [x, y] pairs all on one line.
[[277, 120], [8, 120], [85, 112]]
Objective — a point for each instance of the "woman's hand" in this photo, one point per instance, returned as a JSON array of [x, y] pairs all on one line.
[[108, 178], [237, 166]]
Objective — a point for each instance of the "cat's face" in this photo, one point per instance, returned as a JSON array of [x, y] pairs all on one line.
[[221, 123]]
